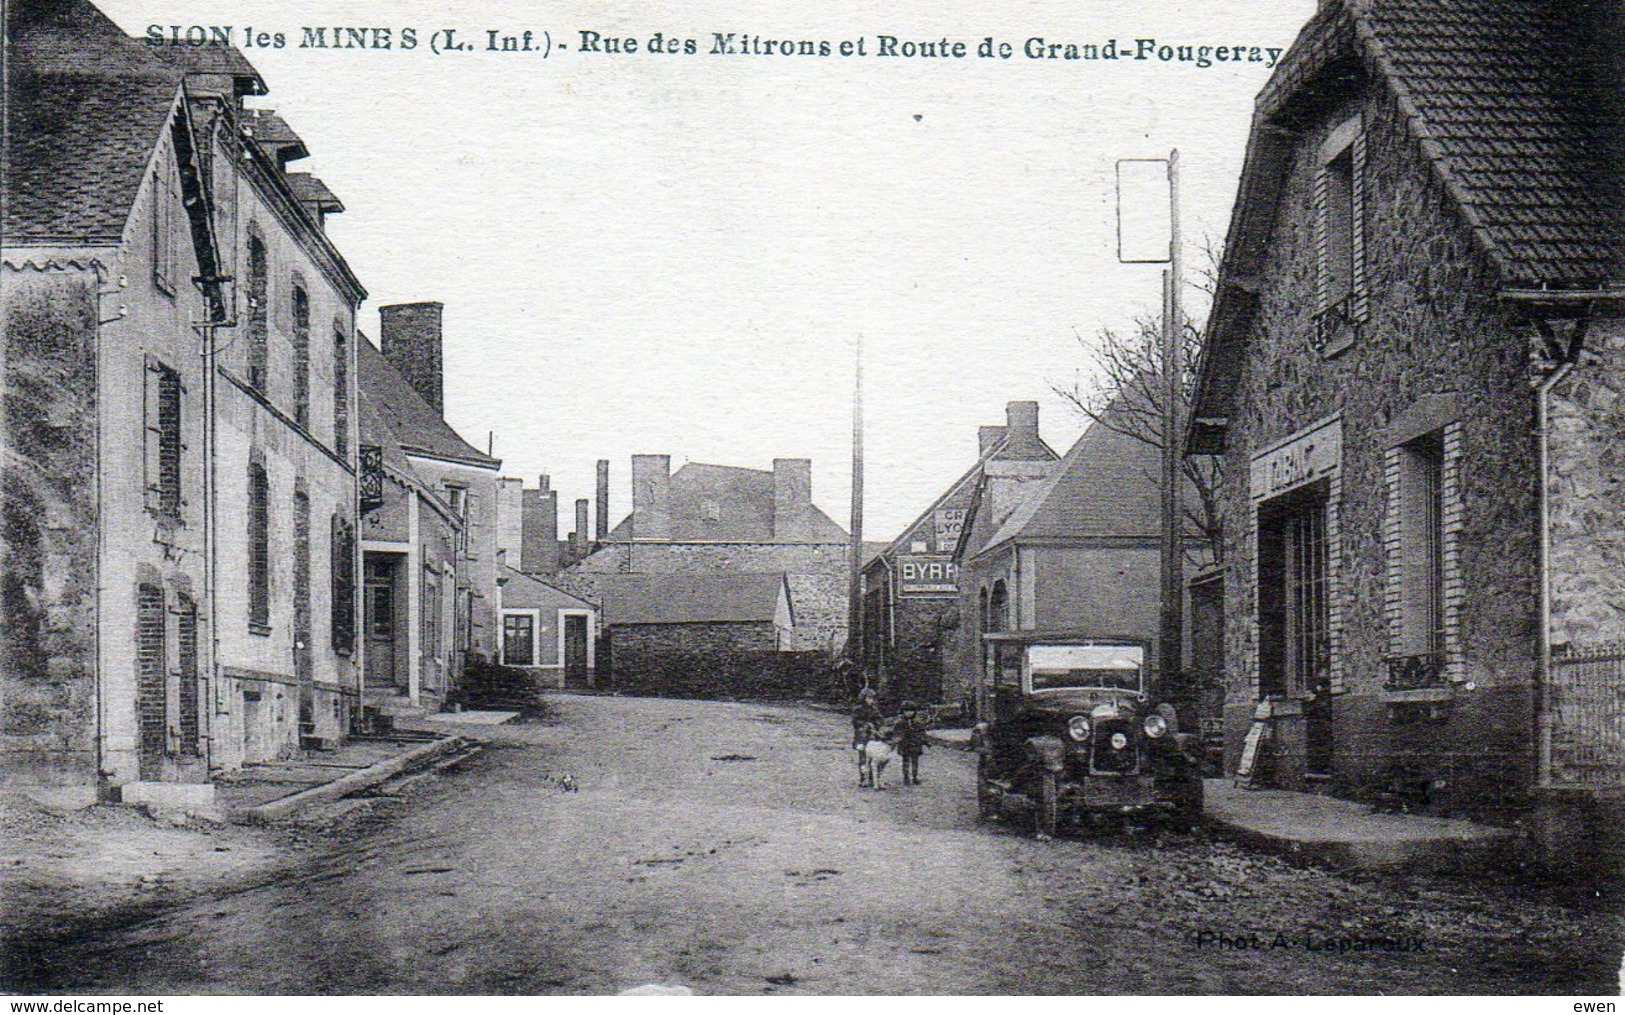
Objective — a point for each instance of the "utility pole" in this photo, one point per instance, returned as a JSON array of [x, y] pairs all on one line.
[[854, 614], [1173, 326]]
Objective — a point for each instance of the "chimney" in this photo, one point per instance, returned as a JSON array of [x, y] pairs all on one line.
[[792, 498], [601, 530], [1022, 420], [539, 536], [988, 438], [578, 538], [410, 338], [651, 497]]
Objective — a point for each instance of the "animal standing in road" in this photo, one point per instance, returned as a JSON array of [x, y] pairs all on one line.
[[875, 752]]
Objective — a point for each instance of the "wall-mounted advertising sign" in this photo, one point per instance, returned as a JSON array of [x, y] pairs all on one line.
[[949, 522], [927, 575]]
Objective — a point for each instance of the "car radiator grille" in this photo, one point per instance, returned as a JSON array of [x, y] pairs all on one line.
[[1110, 759]]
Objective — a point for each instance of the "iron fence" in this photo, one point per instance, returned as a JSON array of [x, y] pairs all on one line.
[[1587, 717]]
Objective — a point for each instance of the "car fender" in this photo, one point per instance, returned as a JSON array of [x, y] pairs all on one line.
[[1048, 752]]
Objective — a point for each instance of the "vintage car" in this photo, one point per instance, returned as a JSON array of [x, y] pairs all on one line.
[[1073, 733]]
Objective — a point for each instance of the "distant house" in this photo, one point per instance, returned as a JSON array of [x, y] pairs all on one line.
[[1416, 376], [911, 626], [1080, 554], [701, 635], [549, 630], [714, 520]]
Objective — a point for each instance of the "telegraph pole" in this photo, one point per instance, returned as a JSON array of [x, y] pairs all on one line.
[[854, 616], [1173, 326]]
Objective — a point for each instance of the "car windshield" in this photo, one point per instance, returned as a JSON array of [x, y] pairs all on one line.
[[1112, 666]]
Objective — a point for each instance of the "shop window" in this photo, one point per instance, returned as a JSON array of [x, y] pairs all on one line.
[[1294, 641]]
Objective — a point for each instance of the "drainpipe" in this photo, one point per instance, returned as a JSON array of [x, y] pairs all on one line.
[[1543, 700]]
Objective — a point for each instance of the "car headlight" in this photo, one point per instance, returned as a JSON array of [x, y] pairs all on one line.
[[1077, 728], [1155, 726]]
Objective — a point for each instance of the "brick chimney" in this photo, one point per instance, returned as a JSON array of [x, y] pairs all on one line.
[[539, 535], [578, 538], [792, 498], [601, 526], [1022, 420], [988, 438], [651, 497], [410, 338]]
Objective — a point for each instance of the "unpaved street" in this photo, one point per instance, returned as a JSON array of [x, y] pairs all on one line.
[[726, 847]]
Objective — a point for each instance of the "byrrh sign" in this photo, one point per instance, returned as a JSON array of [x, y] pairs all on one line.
[[1298, 461], [927, 575]]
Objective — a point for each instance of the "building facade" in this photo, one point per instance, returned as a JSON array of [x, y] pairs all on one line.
[[912, 629], [1413, 375], [179, 570]]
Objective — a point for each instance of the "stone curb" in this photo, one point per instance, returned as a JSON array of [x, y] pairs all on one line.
[[345, 785], [1433, 856]]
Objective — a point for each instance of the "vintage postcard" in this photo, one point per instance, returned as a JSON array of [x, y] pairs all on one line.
[[1020, 498]]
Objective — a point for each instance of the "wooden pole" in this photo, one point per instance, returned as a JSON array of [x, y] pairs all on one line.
[[1173, 570], [854, 620]]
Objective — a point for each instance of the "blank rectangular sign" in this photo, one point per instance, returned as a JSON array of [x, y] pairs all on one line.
[[1144, 212]]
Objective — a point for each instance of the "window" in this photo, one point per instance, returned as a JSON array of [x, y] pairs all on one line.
[[710, 509], [380, 606], [1340, 238], [301, 586], [258, 309], [1294, 652], [457, 500], [998, 608], [341, 391], [518, 639], [165, 238], [259, 550], [301, 356], [1416, 563], [163, 440], [343, 563], [431, 621]]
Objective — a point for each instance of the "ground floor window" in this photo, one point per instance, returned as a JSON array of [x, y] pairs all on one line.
[[1294, 642], [519, 639]]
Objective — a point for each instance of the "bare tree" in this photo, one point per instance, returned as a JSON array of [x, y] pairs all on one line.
[[1121, 387]]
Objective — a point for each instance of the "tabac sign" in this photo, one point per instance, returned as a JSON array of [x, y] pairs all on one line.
[[1298, 461], [932, 574]]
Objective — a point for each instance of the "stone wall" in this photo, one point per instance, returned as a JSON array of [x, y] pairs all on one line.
[[718, 660], [48, 556], [1435, 326]]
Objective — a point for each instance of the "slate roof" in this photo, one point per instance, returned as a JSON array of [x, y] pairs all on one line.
[[1106, 486], [528, 592], [689, 598], [1500, 106], [745, 501], [395, 406]]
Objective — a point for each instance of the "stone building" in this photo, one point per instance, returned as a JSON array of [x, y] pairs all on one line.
[[703, 635], [911, 626], [549, 632], [720, 520], [1414, 377], [179, 570], [1080, 554]]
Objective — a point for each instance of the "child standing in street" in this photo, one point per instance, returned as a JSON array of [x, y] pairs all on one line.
[[911, 727]]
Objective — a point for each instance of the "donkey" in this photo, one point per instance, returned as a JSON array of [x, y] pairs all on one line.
[[875, 752]]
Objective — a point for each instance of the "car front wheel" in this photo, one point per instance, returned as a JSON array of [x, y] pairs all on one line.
[[987, 808], [1048, 813]]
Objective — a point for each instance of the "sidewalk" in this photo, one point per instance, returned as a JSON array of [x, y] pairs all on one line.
[[1344, 833], [265, 792], [953, 739]]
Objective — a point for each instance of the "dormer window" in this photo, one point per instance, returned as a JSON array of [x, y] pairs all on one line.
[[1340, 239], [710, 510]]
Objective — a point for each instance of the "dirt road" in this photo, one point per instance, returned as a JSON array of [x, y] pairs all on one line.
[[726, 847]]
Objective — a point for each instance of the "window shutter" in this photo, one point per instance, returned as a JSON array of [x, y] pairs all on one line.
[[1359, 309], [1322, 224], [152, 436]]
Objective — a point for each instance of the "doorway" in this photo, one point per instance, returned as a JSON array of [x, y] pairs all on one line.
[[576, 673], [384, 603], [1294, 651]]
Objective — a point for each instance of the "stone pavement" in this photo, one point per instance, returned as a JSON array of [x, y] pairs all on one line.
[[277, 789], [1344, 833]]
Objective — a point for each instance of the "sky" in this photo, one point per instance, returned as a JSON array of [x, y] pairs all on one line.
[[677, 254]]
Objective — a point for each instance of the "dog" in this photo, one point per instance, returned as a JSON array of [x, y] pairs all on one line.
[[875, 752]]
